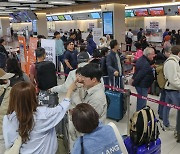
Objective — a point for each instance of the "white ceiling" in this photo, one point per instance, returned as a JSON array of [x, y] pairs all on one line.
[[8, 6]]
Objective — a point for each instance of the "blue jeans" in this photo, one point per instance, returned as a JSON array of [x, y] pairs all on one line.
[[141, 103], [160, 107], [172, 97]]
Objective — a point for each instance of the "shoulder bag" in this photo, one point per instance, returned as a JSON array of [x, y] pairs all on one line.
[[119, 138], [15, 147]]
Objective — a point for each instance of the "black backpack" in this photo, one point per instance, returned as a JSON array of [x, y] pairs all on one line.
[[46, 75], [3, 59], [15, 79], [144, 127]]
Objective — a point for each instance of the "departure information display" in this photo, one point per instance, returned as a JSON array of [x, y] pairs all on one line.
[[107, 22]]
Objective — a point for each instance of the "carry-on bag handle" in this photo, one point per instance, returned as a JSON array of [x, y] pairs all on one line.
[[119, 138]]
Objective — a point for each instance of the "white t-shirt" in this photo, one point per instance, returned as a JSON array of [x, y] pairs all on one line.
[[129, 34]]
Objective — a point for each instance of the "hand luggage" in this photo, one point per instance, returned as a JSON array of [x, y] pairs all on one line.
[[153, 147], [47, 98], [154, 89], [115, 108], [116, 104], [46, 75]]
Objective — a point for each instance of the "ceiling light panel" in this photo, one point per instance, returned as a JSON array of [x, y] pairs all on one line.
[[41, 5], [7, 12], [9, 4], [63, 2], [2, 8], [21, 8], [24, 1]]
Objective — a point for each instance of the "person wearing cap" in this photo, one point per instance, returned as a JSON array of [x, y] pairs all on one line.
[[4, 100]]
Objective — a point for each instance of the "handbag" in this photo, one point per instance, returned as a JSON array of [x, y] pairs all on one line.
[[16, 146], [48, 98], [119, 138]]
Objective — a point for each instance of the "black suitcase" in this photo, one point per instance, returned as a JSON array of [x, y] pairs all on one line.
[[46, 75]]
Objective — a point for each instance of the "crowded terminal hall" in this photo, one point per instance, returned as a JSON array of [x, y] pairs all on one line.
[[89, 77]]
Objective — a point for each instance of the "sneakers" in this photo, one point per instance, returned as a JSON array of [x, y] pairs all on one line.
[[169, 128]]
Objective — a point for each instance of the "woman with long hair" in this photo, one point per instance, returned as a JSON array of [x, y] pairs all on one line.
[[33, 123], [12, 66]]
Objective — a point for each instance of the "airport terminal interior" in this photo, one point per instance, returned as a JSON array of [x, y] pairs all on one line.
[[118, 38]]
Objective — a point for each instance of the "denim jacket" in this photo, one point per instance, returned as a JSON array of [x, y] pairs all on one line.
[[101, 141]]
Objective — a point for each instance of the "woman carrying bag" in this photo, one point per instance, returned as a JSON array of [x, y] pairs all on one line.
[[34, 124]]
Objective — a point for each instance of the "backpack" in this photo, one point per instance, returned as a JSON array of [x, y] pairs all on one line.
[[3, 58], [144, 127], [15, 79], [47, 98], [2, 96], [161, 80], [46, 75], [126, 38]]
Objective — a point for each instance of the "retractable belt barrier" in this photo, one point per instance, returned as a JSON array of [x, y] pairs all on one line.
[[143, 97], [137, 95]]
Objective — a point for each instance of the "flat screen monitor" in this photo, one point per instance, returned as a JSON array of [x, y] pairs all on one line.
[[34, 26], [61, 18], [49, 18], [159, 11], [129, 13], [55, 18], [141, 12], [18, 18], [107, 18], [31, 15], [67, 17], [95, 15], [12, 15], [23, 16]]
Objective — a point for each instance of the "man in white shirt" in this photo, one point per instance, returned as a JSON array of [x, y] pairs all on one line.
[[129, 37]]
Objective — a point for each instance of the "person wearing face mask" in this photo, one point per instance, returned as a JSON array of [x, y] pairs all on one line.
[[4, 100]]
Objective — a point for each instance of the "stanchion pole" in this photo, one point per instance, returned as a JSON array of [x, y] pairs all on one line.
[[127, 98]]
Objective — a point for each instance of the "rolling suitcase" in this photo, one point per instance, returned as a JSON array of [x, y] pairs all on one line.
[[152, 148], [116, 104]]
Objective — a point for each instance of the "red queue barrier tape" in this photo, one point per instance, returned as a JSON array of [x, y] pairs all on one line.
[[136, 95], [146, 98]]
